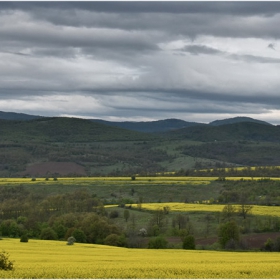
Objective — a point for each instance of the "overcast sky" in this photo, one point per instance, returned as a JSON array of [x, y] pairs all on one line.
[[196, 61]]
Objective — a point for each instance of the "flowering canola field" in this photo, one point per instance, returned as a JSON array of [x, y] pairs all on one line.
[[54, 259], [195, 207]]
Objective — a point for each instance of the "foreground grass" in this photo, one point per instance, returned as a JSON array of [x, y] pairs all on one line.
[[54, 259]]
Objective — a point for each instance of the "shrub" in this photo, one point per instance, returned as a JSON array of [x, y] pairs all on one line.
[[24, 238], [71, 240], [189, 242], [277, 244], [114, 214], [5, 263], [158, 242], [115, 240], [269, 244]]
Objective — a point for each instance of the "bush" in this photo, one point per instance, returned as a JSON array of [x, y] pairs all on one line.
[[158, 242], [24, 238], [71, 240], [114, 214], [5, 263], [269, 244], [189, 242]]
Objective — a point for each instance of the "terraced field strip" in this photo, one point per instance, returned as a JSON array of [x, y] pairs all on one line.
[[150, 180], [193, 207], [54, 259]]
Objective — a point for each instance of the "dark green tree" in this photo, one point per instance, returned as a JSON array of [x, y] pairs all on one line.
[[228, 231], [126, 214], [189, 242], [48, 234], [158, 242], [79, 235]]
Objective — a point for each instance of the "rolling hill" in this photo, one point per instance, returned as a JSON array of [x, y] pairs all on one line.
[[152, 126], [79, 147], [17, 116], [237, 120], [65, 130], [242, 131]]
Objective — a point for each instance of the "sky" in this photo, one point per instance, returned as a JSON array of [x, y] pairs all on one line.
[[141, 61]]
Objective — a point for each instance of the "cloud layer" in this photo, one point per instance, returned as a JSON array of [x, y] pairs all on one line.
[[198, 61]]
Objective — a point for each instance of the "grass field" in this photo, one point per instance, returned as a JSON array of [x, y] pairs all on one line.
[[54, 259]]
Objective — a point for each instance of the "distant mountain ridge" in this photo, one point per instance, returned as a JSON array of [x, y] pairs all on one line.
[[151, 126], [242, 131], [144, 126], [17, 116], [237, 120]]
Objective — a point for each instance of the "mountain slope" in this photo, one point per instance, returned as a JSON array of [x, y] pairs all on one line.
[[152, 126], [237, 120], [231, 132], [17, 116], [64, 130]]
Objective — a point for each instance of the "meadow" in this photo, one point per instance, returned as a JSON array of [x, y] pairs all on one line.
[[54, 259]]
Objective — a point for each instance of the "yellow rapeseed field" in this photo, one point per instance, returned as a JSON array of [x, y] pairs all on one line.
[[55, 259], [194, 207]]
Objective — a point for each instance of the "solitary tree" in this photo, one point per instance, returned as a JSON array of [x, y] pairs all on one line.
[[228, 212], [5, 263], [126, 214], [228, 231]]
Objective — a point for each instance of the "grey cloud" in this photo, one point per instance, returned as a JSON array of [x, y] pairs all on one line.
[[200, 49], [271, 46], [177, 7], [253, 58], [177, 18], [121, 54]]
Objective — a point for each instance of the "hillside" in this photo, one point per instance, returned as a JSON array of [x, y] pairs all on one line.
[[237, 120], [64, 130], [152, 126], [79, 147], [17, 116], [93, 148], [243, 131]]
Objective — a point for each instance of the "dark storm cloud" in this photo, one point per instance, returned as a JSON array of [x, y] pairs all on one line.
[[188, 18], [232, 8]]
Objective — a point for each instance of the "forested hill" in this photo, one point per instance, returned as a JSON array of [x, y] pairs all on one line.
[[17, 116], [64, 130], [151, 126], [248, 131], [237, 120]]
